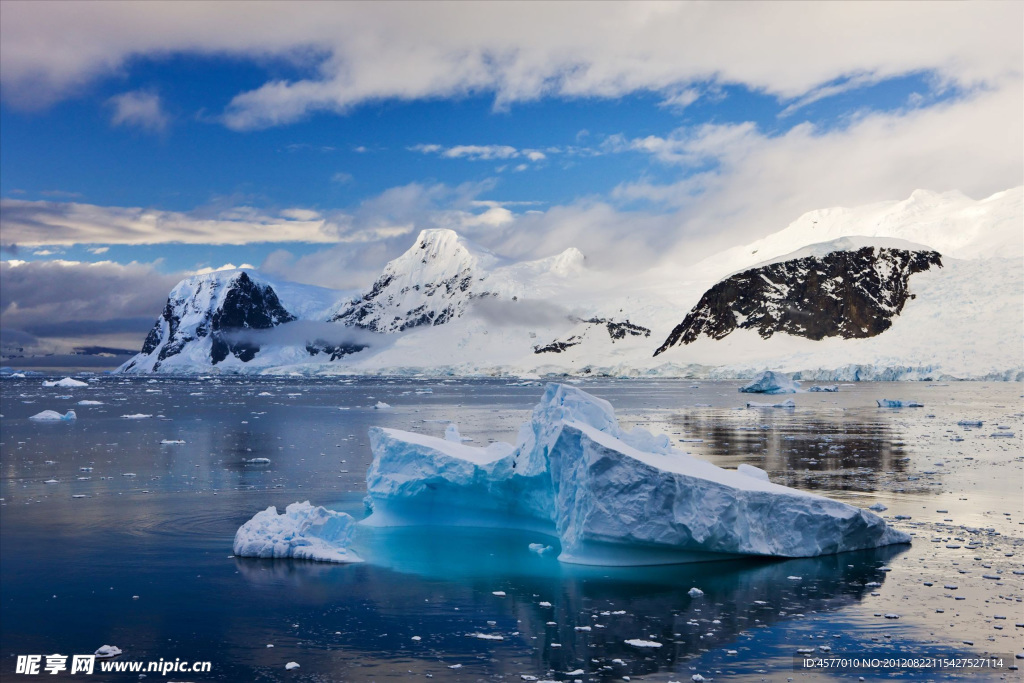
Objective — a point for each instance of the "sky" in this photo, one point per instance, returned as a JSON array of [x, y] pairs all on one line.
[[141, 142]]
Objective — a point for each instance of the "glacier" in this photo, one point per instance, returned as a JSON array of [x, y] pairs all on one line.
[[613, 497], [303, 531], [771, 383]]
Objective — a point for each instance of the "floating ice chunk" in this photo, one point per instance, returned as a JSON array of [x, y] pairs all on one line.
[[831, 388], [788, 403], [107, 652], [90, 403], [451, 433], [637, 642], [66, 382], [878, 507], [258, 461], [136, 416], [172, 442], [771, 383], [303, 531], [54, 416], [695, 592], [613, 497], [485, 636], [897, 403], [970, 423], [539, 548], [751, 471], [381, 405], [291, 665]]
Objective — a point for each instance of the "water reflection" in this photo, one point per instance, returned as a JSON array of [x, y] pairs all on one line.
[[852, 448], [439, 584]]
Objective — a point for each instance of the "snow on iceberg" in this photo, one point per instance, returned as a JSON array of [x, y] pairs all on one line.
[[66, 382], [303, 531], [54, 416], [613, 497], [771, 383], [894, 403]]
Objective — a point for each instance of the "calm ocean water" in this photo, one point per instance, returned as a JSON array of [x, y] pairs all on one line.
[[109, 536]]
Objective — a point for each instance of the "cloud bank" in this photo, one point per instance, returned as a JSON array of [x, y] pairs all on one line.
[[354, 53]]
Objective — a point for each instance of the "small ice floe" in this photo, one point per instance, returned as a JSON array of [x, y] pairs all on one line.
[[54, 416], [500, 594], [90, 403], [771, 383], [128, 474], [136, 416], [970, 423], [831, 388], [790, 403], [172, 442], [539, 548], [52, 481], [108, 652], [878, 507], [892, 615], [544, 604], [264, 393], [451, 433], [381, 405], [66, 382], [695, 592], [637, 642], [485, 636], [257, 461], [1006, 435], [303, 531], [696, 678], [291, 665], [897, 403]]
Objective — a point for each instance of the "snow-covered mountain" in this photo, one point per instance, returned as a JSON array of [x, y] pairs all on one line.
[[931, 286]]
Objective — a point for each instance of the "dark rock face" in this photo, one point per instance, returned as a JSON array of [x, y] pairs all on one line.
[[616, 330], [247, 306], [848, 294], [558, 346], [620, 330]]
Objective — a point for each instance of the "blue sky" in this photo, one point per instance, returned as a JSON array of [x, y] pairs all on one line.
[[314, 140]]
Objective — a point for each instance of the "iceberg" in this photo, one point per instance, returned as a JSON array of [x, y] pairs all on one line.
[[66, 382], [54, 416], [893, 403], [303, 531], [831, 388], [613, 497], [771, 383], [788, 403]]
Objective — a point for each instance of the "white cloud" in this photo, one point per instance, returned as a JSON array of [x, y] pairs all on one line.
[[364, 52], [226, 266], [482, 152], [29, 223], [342, 178], [140, 109]]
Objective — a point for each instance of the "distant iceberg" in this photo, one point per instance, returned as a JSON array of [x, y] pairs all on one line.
[[303, 532], [771, 383], [830, 388], [788, 403], [893, 403], [613, 497], [54, 416], [66, 382]]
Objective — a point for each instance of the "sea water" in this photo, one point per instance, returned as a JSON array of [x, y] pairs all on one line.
[[111, 532]]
